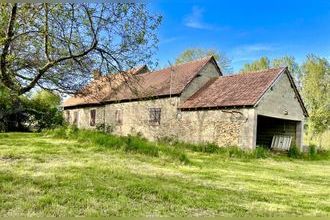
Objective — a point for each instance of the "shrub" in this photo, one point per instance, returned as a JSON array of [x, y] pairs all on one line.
[[43, 110], [261, 152], [294, 152], [59, 132], [140, 145], [168, 140], [312, 151], [107, 128], [235, 152], [100, 127], [208, 148]]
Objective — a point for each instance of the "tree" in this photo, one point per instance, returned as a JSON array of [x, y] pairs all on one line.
[[292, 65], [21, 113], [285, 61], [44, 111], [197, 53], [262, 63], [56, 46], [10, 106], [316, 93]]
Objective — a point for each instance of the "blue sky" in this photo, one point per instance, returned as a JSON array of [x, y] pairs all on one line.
[[244, 30]]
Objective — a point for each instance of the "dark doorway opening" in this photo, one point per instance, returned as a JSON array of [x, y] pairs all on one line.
[[267, 127]]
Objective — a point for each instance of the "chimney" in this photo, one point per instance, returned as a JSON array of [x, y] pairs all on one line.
[[96, 74]]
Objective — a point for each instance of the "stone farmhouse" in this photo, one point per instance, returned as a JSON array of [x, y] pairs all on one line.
[[193, 102]]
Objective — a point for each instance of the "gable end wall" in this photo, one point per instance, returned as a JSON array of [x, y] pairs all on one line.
[[280, 99], [208, 72]]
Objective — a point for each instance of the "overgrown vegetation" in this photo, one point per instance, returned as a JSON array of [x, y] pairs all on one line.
[[312, 152], [44, 176], [25, 113], [176, 150], [135, 144]]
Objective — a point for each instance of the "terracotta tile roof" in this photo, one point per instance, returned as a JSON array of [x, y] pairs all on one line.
[[157, 83], [119, 87], [99, 88], [236, 90]]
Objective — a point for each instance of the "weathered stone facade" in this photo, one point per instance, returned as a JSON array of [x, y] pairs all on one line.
[[84, 116], [135, 117], [224, 126]]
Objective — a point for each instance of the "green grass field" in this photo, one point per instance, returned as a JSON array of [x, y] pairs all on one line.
[[47, 176]]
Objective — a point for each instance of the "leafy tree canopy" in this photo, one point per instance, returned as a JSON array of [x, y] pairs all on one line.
[[197, 53], [293, 66], [316, 93], [56, 46], [262, 63], [285, 61]]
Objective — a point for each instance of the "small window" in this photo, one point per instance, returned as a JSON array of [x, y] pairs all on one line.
[[75, 118], [119, 116], [92, 117], [68, 116], [154, 115]]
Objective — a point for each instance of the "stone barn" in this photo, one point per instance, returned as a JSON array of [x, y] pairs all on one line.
[[193, 102]]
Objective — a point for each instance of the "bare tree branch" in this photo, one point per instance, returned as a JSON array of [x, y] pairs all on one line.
[[49, 65]]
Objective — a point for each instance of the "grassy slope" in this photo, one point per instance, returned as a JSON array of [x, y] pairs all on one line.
[[42, 176]]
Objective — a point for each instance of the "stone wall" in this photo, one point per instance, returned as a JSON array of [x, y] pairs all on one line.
[[84, 116], [135, 117], [223, 127]]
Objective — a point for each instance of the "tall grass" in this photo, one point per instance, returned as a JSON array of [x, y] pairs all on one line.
[[229, 151], [131, 144], [175, 150]]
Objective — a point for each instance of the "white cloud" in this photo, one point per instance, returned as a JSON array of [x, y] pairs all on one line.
[[249, 52], [195, 19], [254, 48]]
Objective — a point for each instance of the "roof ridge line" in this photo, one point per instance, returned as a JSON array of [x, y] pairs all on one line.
[[180, 64], [262, 70]]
